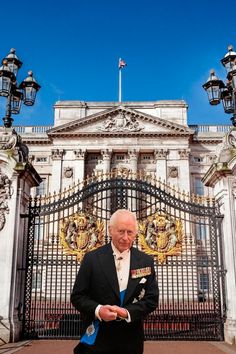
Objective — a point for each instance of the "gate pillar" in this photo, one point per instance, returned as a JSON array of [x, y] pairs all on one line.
[[222, 177], [17, 176]]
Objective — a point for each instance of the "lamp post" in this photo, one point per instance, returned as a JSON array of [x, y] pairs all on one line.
[[218, 91], [26, 91]]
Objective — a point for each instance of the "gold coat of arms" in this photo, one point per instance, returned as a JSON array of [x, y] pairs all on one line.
[[161, 236], [81, 233]]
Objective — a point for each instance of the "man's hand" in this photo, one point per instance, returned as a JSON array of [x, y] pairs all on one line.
[[110, 313], [107, 313], [121, 312]]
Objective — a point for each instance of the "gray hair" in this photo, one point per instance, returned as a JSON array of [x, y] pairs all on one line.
[[121, 212]]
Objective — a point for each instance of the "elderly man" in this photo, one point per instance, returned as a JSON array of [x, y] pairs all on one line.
[[115, 289]]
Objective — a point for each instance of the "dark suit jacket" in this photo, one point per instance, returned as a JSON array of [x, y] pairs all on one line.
[[96, 283]]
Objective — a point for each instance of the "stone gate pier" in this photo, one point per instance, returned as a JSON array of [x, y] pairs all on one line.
[[222, 178], [17, 176]]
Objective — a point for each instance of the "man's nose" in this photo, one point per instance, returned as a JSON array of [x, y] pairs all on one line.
[[126, 236]]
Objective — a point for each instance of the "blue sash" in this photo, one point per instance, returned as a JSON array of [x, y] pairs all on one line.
[[91, 332]]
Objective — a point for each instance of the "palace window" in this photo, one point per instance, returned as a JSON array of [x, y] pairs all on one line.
[[42, 188], [198, 186], [120, 157], [41, 159], [201, 230], [37, 280], [202, 261], [197, 159], [204, 282]]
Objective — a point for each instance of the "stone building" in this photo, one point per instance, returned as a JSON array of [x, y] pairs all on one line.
[[61, 183], [98, 137]]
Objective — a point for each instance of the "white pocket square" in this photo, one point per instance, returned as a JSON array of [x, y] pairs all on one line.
[[142, 281]]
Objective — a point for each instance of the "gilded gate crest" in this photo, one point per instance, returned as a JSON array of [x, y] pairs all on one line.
[[81, 233], [161, 236]]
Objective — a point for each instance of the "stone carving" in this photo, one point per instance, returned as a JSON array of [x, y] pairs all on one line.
[[121, 123], [184, 154], [79, 154], [133, 154], [106, 154], [57, 154], [161, 154], [10, 140], [227, 149], [211, 158], [173, 171], [231, 137], [68, 172], [5, 193], [121, 171]]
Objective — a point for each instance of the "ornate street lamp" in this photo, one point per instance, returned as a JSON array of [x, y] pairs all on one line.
[[218, 91], [15, 93]]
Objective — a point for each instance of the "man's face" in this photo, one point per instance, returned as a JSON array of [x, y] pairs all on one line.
[[123, 232]]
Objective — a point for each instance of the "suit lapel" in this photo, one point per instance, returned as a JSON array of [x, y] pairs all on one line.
[[108, 267], [132, 282]]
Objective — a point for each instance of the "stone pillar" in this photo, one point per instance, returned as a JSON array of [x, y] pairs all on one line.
[[133, 160], [161, 163], [222, 178], [184, 176], [106, 157], [17, 176], [80, 165], [56, 183]]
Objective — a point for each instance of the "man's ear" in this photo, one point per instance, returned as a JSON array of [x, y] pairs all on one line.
[[109, 230]]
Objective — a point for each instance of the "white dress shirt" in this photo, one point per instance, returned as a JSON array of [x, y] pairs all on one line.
[[122, 263]]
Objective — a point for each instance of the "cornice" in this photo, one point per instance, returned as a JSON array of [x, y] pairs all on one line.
[[208, 140], [34, 140], [68, 127], [121, 134], [127, 104]]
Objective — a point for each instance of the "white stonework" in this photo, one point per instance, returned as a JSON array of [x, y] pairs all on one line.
[[157, 131], [21, 177], [90, 138], [222, 177]]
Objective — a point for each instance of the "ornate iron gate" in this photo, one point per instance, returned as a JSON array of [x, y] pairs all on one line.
[[182, 232]]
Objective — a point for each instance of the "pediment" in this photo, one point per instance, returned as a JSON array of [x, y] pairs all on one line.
[[119, 121]]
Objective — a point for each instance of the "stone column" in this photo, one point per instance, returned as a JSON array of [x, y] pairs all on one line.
[[133, 160], [80, 165], [222, 178], [17, 176], [161, 163], [56, 182], [184, 175], [106, 157]]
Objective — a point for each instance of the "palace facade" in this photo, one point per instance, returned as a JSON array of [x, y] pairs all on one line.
[[92, 138]]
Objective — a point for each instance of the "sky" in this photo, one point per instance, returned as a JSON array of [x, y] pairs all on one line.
[[73, 48]]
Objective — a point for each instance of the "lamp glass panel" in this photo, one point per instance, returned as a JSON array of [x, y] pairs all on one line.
[[13, 67], [15, 104], [228, 105], [5, 86], [29, 96], [213, 94]]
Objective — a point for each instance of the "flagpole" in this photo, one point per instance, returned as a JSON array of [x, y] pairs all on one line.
[[119, 82]]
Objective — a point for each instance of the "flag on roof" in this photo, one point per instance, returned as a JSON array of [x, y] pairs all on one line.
[[122, 63]]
